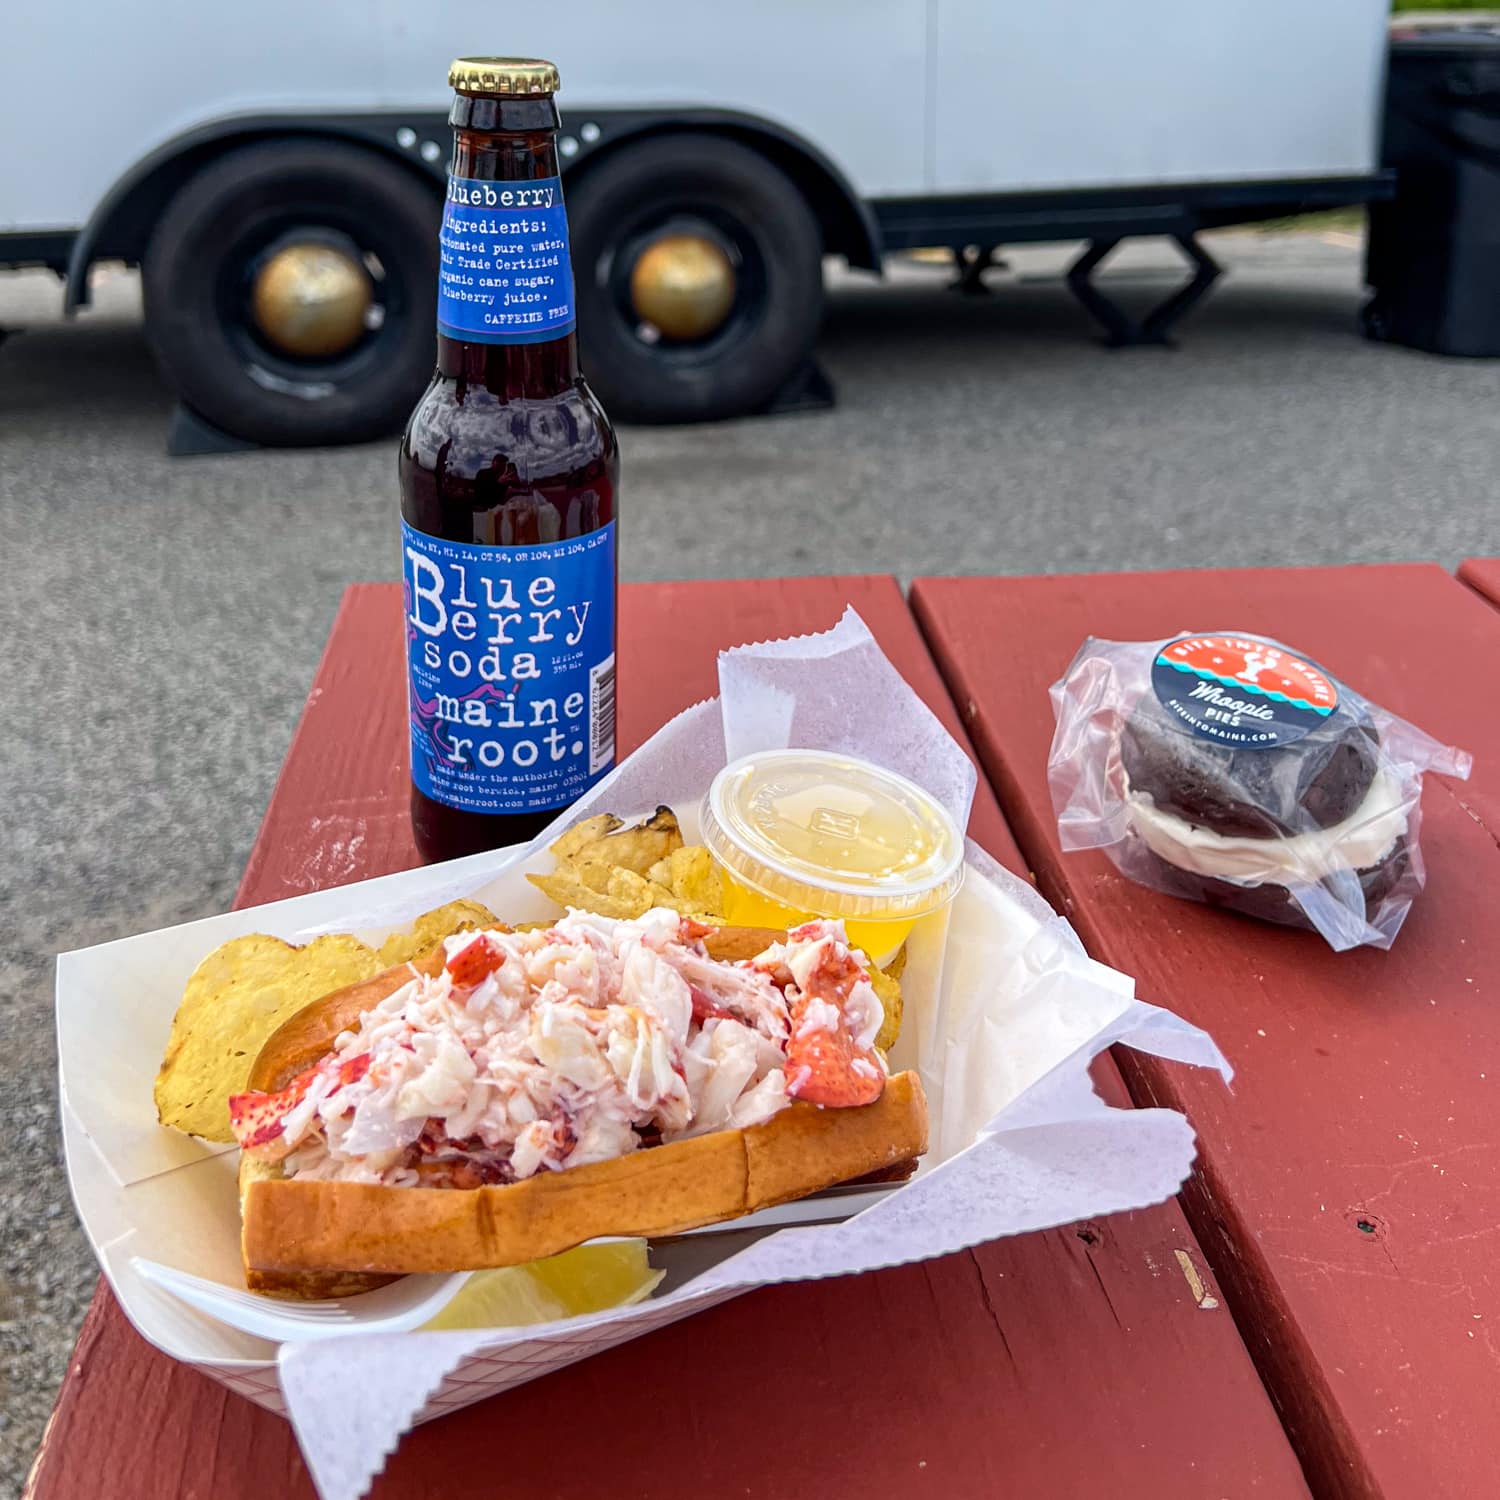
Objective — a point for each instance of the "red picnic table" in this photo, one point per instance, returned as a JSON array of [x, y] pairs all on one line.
[[1348, 1190], [1096, 1358], [1482, 574]]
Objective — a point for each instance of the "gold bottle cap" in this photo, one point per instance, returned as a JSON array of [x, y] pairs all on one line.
[[503, 75]]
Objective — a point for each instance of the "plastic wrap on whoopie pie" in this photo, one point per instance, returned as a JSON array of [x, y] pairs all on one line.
[[1231, 769]]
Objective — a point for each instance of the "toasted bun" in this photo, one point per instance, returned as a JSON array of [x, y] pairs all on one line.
[[295, 1045], [300, 1227], [731, 944], [300, 1286], [328, 1239]]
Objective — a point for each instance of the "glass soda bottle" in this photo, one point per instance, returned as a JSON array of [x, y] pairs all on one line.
[[509, 470]]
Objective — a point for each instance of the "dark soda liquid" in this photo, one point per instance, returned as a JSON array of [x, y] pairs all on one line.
[[508, 447]]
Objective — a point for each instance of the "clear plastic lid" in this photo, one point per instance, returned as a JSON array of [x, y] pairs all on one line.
[[833, 835]]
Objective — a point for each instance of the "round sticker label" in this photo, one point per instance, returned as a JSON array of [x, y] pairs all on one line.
[[1239, 691]]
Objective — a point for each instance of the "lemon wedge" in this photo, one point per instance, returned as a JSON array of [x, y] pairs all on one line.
[[589, 1279]]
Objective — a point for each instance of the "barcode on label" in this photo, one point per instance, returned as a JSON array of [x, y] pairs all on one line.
[[601, 716]]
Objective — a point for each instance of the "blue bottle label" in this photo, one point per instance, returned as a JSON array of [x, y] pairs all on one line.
[[504, 276], [510, 669]]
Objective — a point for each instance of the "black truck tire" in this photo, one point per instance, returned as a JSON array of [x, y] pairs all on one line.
[[708, 186], [201, 262]]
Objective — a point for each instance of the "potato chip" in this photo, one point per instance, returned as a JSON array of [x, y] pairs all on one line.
[[639, 848], [690, 882], [606, 867], [661, 896], [626, 885], [432, 927], [567, 889], [694, 878], [635, 849], [234, 1000], [886, 983], [593, 868], [580, 835]]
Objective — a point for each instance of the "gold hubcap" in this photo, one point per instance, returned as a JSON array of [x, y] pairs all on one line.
[[683, 284], [311, 300]]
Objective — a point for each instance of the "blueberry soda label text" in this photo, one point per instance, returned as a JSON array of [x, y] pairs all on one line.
[[511, 669], [504, 276]]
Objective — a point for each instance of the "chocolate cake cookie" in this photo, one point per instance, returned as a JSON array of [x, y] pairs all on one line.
[[1250, 772], [1393, 876], [1314, 782]]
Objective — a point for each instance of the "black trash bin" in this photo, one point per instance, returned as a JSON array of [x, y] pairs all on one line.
[[1433, 257]]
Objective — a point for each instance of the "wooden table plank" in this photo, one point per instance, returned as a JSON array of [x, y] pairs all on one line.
[[1350, 1185], [341, 798], [1017, 1368], [1482, 574]]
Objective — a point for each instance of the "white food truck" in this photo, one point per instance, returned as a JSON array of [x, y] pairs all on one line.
[[276, 169]]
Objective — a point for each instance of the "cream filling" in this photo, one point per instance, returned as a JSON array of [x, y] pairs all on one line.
[[1363, 839]]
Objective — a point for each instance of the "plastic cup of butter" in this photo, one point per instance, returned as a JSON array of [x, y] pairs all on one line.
[[813, 833]]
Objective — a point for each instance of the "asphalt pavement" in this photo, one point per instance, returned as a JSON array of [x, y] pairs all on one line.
[[162, 617]]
